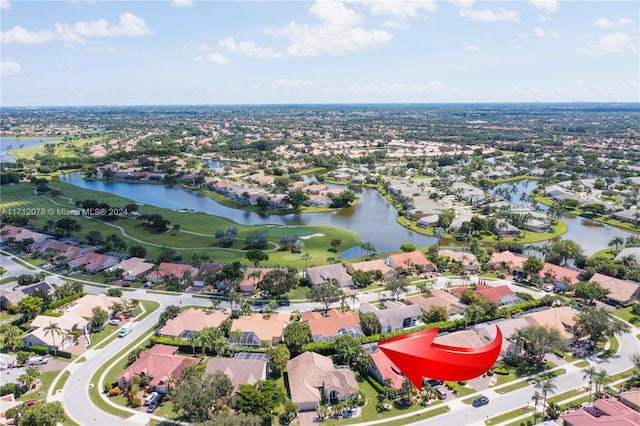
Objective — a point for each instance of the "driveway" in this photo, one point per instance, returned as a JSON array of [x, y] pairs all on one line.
[[308, 418]]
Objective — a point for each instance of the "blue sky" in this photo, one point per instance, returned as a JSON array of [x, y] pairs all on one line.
[[241, 52]]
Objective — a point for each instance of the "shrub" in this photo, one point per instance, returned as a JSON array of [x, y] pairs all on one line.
[[135, 402], [502, 371], [63, 354], [52, 313], [23, 356], [13, 309], [40, 350], [114, 391]]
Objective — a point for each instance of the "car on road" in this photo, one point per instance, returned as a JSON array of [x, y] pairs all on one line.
[[258, 303], [434, 382], [480, 401], [283, 302], [114, 321]]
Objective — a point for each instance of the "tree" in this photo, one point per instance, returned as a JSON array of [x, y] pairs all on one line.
[[546, 386], [335, 243], [616, 242], [370, 324], [98, 318], [326, 293], [10, 337], [134, 355], [297, 198], [278, 358], [408, 247], [278, 281], [536, 341], [535, 398], [597, 324], [306, 257], [170, 312], [296, 334], [368, 247], [437, 313], [227, 418], [590, 291], [348, 350], [256, 256], [589, 373], [532, 266], [54, 330], [29, 307], [200, 395], [260, 399], [38, 414], [137, 251], [396, 286], [114, 292], [562, 251]]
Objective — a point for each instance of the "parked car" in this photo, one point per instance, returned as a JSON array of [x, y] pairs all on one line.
[[283, 302], [37, 360], [434, 382], [154, 404], [480, 401], [149, 399], [114, 321], [258, 303], [442, 394]]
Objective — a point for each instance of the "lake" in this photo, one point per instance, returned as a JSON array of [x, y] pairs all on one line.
[[10, 143]]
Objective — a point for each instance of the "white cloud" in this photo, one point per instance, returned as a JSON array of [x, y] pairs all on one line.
[[606, 23], [399, 10], [631, 85], [217, 58], [129, 26], [10, 68], [549, 5], [487, 15], [4, 4], [471, 48], [539, 32], [610, 43], [285, 84], [246, 48], [182, 3], [464, 4], [19, 34], [335, 13]]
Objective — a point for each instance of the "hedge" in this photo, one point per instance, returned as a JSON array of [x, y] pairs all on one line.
[[40, 350], [63, 354], [51, 313], [65, 300]]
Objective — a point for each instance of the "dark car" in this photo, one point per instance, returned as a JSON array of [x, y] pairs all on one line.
[[283, 302], [480, 401], [154, 404], [434, 382], [258, 303]]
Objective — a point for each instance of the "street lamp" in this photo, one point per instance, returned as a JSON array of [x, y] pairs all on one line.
[[271, 421]]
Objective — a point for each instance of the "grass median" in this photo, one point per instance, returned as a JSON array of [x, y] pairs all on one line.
[[509, 415], [512, 387]]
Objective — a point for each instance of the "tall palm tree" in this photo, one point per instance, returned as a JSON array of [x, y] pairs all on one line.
[[589, 373], [354, 298], [535, 398], [195, 338], [601, 378], [546, 386], [306, 258], [616, 242], [54, 330]]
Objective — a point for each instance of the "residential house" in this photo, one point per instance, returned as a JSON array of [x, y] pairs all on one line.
[[12, 297], [466, 258], [240, 371], [192, 320], [428, 221], [132, 268], [93, 262], [160, 364], [561, 318], [395, 315], [563, 278], [258, 329], [252, 277], [604, 411], [437, 298], [631, 398], [313, 378], [205, 271], [505, 229], [508, 327], [372, 266], [7, 402], [18, 233], [7, 361], [68, 322], [329, 273], [408, 260], [166, 270], [620, 291], [506, 259], [631, 253], [334, 324], [384, 369], [319, 200], [631, 216], [500, 295], [85, 305]]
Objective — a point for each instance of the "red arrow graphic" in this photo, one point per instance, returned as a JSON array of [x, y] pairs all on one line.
[[417, 356]]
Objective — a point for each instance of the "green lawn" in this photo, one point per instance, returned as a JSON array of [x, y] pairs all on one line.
[[62, 381], [422, 416], [566, 395], [46, 378], [515, 386], [582, 364], [550, 374], [624, 313], [613, 348], [509, 415], [97, 338], [8, 279]]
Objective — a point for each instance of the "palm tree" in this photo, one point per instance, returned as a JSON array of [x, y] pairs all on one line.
[[601, 378], [535, 398], [54, 330], [589, 373], [195, 337], [546, 386], [234, 298], [474, 312], [406, 390], [616, 242], [306, 258], [354, 298]]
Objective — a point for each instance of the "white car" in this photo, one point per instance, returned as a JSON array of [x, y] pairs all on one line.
[[114, 321]]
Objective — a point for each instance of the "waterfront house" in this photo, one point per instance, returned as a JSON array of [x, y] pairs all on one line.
[[372, 266], [621, 292], [409, 260]]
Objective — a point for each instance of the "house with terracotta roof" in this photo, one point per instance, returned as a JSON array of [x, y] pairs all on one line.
[[329, 273], [561, 318], [631, 398], [620, 291], [372, 266], [563, 278], [206, 271], [335, 323], [240, 371], [93, 262], [395, 315], [384, 369], [132, 268], [466, 258], [408, 260], [18, 233], [192, 320], [258, 329], [159, 363], [438, 298], [501, 294], [314, 378], [252, 277], [166, 270], [507, 259], [604, 411]]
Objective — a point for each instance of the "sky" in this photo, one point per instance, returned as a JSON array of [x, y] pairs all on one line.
[[64, 53]]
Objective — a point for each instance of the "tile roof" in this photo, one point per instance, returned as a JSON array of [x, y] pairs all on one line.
[[438, 298], [619, 290], [192, 320], [370, 266], [605, 411], [159, 363], [240, 371], [394, 313], [320, 274], [560, 272], [328, 326], [559, 318], [265, 328], [506, 257], [405, 260], [387, 369], [493, 294]]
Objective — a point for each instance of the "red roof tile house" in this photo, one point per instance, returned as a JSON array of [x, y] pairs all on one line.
[[19, 234], [409, 259], [563, 278], [252, 277], [334, 324], [240, 371], [160, 363], [372, 266], [438, 298], [501, 295], [620, 291], [93, 262], [166, 270], [192, 320], [506, 259], [605, 411], [383, 368]]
